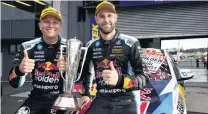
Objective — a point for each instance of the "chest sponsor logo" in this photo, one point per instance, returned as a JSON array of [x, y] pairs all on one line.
[[120, 47], [39, 47], [118, 42], [116, 55], [47, 72], [97, 49], [39, 59], [111, 90], [97, 53], [104, 63], [46, 87], [97, 43], [97, 56], [47, 66], [39, 56], [47, 79], [58, 56], [38, 52], [117, 51]]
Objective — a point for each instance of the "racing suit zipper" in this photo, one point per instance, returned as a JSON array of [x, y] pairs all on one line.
[[106, 52]]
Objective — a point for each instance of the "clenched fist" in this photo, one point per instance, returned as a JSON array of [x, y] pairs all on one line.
[[61, 64], [27, 65]]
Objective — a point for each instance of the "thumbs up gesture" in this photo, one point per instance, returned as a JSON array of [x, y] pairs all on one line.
[[27, 65], [110, 76]]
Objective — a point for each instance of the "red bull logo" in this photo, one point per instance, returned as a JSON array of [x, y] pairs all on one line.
[[133, 83], [79, 88], [47, 66], [105, 64], [129, 83]]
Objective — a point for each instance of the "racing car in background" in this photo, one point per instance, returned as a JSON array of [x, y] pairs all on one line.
[[165, 93]]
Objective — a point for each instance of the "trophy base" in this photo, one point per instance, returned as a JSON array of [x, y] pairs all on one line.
[[67, 101]]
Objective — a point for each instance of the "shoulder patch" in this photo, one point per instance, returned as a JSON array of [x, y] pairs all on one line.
[[63, 41], [91, 41], [30, 44], [129, 40]]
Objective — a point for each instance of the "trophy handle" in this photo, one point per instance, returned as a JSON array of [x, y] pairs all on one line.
[[83, 61], [85, 53], [61, 55]]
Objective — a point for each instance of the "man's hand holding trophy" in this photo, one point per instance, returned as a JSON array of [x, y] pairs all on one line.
[[69, 66], [61, 64]]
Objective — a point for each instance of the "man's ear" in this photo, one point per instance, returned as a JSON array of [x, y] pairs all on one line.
[[96, 18], [39, 25], [116, 17], [61, 27]]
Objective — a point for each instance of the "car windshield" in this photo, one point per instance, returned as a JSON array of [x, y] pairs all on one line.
[[155, 62]]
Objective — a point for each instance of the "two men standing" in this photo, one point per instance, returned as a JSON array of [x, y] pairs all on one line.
[[120, 52]]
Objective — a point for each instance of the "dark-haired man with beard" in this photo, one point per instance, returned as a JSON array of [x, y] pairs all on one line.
[[113, 60]]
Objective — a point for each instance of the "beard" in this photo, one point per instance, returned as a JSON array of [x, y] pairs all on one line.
[[106, 30]]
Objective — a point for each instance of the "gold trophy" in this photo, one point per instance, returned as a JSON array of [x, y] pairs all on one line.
[[67, 100]]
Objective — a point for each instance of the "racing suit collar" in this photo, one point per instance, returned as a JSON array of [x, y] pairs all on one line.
[[106, 42], [51, 45]]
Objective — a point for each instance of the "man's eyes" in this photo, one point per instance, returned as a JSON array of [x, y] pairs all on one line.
[[46, 22], [102, 16], [109, 15], [50, 22]]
